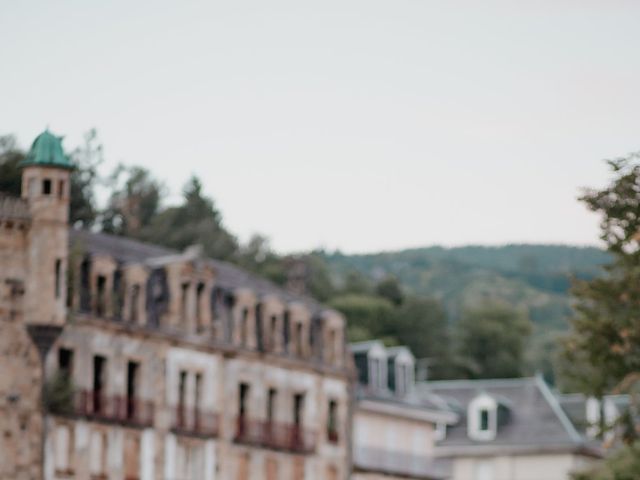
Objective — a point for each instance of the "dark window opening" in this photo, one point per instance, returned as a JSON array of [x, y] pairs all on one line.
[[271, 405], [46, 187], [484, 420], [99, 381], [61, 188], [133, 369], [273, 332], [199, 297], [244, 326], [184, 306], [332, 421], [117, 294], [134, 306], [298, 406], [243, 397], [286, 330], [58, 277], [65, 361], [85, 288], [101, 296], [261, 332], [298, 339]]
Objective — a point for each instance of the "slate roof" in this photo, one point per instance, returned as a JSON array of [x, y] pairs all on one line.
[[228, 276], [537, 420]]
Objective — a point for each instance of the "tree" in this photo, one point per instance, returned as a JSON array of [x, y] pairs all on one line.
[[10, 158], [87, 158], [623, 465], [389, 288], [196, 221], [604, 340], [491, 341], [421, 324], [133, 204], [368, 316]]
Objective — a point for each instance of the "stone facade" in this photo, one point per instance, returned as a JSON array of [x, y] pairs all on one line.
[[170, 366]]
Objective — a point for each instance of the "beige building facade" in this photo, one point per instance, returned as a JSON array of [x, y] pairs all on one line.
[[159, 365]]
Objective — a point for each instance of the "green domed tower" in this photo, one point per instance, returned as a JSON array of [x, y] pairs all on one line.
[[46, 178]]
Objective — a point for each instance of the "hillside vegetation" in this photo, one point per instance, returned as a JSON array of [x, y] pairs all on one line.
[[535, 278]]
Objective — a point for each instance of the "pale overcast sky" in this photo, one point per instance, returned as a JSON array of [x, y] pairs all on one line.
[[354, 124]]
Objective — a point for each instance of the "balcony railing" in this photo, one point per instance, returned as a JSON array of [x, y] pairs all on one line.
[[332, 435], [395, 463], [191, 421], [113, 408], [278, 436]]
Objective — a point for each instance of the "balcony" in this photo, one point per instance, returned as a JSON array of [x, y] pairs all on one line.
[[332, 435], [112, 408], [277, 436], [196, 422], [395, 463]]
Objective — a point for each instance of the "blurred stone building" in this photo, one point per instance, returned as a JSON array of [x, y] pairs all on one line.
[[158, 364]]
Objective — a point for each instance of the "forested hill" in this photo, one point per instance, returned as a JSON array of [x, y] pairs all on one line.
[[535, 277]]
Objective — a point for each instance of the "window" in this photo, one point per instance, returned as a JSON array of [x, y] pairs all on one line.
[[483, 423], [482, 413], [199, 317], [271, 405], [65, 361], [243, 407], [332, 421], [244, 327], [286, 327], [101, 296], [273, 335], [46, 187], [298, 339], [197, 401], [132, 388], [134, 307], [298, 409], [184, 301], [61, 188], [99, 382], [58, 277]]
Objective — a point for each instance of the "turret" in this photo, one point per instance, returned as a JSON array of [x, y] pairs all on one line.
[[46, 189]]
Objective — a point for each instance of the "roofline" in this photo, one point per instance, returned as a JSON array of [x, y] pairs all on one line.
[[474, 383], [510, 449], [552, 400], [407, 410]]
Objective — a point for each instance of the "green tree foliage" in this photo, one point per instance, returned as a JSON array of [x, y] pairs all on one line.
[[257, 256], [422, 325], [490, 342], [389, 288], [195, 221], [605, 338], [10, 157], [133, 204], [622, 465], [84, 178], [369, 316]]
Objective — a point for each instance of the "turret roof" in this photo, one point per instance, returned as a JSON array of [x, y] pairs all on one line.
[[46, 150]]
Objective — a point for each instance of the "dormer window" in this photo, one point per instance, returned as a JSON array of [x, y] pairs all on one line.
[[482, 418]]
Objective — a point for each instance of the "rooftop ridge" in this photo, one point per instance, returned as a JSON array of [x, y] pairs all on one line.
[[474, 383]]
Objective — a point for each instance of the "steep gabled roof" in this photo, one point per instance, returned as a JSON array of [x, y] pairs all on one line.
[[228, 276], [536, 418]]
